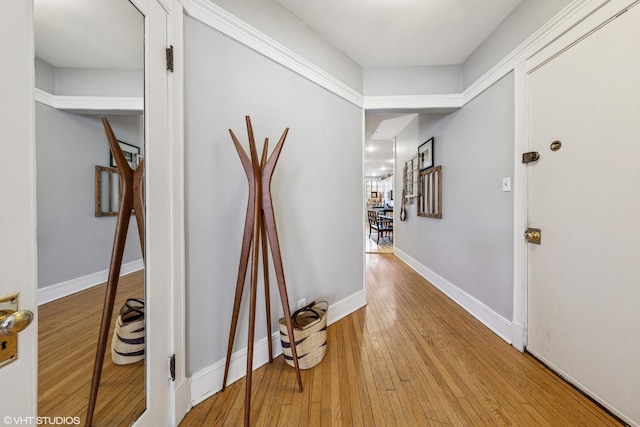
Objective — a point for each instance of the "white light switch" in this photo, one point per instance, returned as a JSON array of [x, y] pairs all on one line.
[[506, 184]]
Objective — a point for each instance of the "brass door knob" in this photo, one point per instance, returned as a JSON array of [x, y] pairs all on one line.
[[12, 322]]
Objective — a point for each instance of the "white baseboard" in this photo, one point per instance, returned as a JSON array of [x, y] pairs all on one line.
[[59, 290], [208, 381], [492, 320]]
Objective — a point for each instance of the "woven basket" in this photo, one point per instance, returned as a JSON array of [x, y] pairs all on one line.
[[128, 342], [310, 334]]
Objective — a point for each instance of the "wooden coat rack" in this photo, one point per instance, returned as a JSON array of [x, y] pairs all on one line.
[[131, 198], [259, 226]]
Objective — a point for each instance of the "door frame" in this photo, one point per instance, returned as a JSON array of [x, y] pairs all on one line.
[[601, 12], [165, 224]]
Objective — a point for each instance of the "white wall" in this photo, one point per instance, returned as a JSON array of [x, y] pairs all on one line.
[[89, 81], [442, 79], [317, 191], [471, 247], [99, 81], [72, 242]]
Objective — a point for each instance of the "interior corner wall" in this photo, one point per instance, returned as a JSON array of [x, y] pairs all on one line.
[[316, 187], [72, 242], [521, 23], [471, 247]]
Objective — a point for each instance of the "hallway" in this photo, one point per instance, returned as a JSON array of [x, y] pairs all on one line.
[[411, 357]]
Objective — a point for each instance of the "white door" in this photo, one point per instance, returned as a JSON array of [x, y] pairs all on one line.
[[17, 205], [584, 280]]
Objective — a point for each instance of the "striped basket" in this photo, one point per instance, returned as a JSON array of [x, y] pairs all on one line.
[[310, 333], [128, 342]]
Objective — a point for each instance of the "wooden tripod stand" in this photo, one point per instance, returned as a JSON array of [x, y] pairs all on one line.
[[260, 225], [131, 197]]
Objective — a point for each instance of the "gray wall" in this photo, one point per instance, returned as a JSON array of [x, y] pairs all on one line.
[[471, 246], [316, 187], [522, 22], [277, 22], [99, 81], [45, 76], [72, 242], [441, 79], [88, 81]]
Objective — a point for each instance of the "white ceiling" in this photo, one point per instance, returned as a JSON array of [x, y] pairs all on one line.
[[109, 34], [382, 33], [89, 33]]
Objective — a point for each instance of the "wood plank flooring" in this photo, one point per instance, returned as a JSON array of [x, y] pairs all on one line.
[[67, 340], [411, 357]]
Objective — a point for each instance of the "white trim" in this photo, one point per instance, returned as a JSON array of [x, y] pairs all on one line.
[[216, 17], [492, 320], [208, 381], [520, 209], [63, 289], [91, 104], [599, 17], [180, 387], [414, 102]]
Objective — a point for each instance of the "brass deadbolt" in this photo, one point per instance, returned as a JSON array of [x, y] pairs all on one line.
[[533, 235]]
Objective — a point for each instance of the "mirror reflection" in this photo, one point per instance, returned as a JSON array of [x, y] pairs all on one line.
[[88, 55], [107, 191]]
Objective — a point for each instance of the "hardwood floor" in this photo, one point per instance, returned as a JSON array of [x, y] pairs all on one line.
[[67, 339], [411, 357]]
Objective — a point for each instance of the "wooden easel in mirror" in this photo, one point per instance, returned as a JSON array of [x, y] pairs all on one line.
[[131, 198]]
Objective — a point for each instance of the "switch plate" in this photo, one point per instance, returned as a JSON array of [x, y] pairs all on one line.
[[506, 183]]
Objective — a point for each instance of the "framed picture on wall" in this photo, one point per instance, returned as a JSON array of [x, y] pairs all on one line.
[[130, 152], [425, 154]]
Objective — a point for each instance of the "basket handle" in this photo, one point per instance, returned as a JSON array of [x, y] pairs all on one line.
[[306, 308]]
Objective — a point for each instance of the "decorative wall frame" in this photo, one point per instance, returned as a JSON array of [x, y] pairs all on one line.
[[131, 153], [430, 193], [425, 154], [107, 191], [410, 179]]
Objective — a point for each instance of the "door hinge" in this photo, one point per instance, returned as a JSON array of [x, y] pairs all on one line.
[[531, 156], [172, 367], [170, 58]]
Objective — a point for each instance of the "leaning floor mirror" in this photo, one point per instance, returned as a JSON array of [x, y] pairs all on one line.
[[88, 53]]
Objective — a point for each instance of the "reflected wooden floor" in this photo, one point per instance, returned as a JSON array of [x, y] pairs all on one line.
[[67, 340], [411, 357]]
